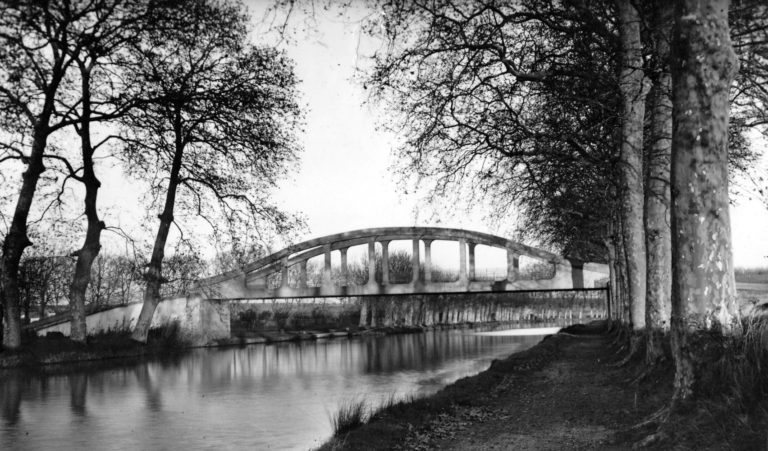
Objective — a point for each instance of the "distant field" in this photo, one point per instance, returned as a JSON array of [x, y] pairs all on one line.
[[752, 275]]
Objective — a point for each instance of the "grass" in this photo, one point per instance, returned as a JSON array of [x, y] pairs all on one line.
[[350, 415], [729, 408], [734, 389], [752, 275], [56, 348]]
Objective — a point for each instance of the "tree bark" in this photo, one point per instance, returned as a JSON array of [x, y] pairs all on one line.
[[703, 286], [633, 92], [17, 240], [622, 274], [153, 275], [92, 245], [658, 232]]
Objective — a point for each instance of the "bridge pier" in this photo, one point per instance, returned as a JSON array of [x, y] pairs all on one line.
[[415, 264], [302, 274], [344, 271], [384, 262], [513, 265], [327, 277], [471, 261], [372, 262], [427, 261], [463, 280]]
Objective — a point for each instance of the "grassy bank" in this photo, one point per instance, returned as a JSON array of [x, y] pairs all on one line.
[[570, 392], [55, 348]]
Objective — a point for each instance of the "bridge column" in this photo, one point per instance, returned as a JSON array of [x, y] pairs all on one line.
[[427, 261], [472, 261], [284, 272], [385, 262], [327, 269], [463, 261], [372, 262], [344, 272], [513, 265], [302, 274], [415, 265]]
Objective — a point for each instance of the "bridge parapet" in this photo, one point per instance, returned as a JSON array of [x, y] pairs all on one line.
[[252, 280]]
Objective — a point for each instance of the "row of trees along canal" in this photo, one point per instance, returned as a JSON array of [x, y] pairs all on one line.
[[174, 91], [607, 123]]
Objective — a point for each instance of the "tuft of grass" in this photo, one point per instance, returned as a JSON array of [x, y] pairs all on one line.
[[351, 415]]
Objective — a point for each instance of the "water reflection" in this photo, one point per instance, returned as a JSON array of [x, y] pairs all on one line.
[[276, 396]]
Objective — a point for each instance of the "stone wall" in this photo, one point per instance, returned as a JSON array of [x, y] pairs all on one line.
[[201, 321]]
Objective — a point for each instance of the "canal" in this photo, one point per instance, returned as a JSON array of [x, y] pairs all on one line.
[[277, 396]]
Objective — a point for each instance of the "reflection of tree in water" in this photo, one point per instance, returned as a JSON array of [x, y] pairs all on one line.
[[151, 390], [10, 402], [417, 351], [78, 387]]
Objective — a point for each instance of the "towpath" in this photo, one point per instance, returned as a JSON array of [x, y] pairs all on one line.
[[565, 393]]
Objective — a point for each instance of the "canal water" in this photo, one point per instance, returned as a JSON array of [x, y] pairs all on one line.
[[277, 396]]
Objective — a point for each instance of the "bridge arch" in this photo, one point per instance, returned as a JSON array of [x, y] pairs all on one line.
[[251, 280]]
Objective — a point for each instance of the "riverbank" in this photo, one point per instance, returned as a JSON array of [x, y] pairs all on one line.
[[565, 393], [56, 349]]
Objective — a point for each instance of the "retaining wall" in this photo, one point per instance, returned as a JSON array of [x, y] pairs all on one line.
[[201, 321]]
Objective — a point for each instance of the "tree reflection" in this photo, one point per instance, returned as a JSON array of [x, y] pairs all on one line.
[[10, 403], [78, 387]]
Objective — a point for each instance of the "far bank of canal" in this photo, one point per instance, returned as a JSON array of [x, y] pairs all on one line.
[[277, 396]]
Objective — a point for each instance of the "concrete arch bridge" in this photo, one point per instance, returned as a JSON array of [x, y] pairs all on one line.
[[253, 280], [562, 294]]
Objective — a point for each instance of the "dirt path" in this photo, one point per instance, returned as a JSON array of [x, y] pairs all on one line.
[[566, 393], [573, 402]]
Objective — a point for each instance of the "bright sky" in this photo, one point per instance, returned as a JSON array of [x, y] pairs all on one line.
[[344, 182]]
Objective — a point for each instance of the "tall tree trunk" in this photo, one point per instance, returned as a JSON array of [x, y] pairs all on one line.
[[42, 305], [658, 231], [17, 240], [153, 275], [92, 245], [633, 91], [703, 286]]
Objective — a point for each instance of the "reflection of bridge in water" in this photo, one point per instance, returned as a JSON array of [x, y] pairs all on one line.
[[252, 280]]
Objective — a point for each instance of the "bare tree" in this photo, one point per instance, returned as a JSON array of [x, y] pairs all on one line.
[[111, 27], [38, 42], [219, 133], [504, 96]]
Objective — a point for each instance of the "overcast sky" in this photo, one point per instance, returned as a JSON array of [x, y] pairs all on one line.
[[345, 183]]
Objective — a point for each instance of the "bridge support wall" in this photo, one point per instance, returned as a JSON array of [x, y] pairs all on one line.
[[202, 321]]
